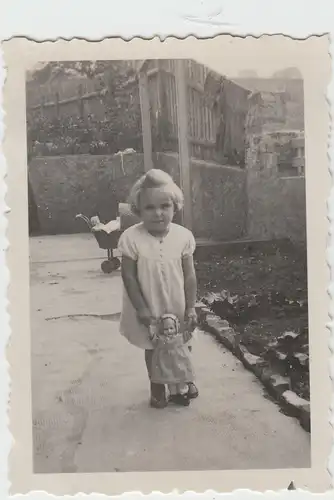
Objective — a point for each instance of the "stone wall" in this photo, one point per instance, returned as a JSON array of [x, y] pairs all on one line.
[[219, 201], [219, 198], [276, 205], [276, 202], [228, 203], [65, 186], [291, 89]]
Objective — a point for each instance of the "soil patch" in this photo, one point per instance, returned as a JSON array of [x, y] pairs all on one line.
[[264, 299]]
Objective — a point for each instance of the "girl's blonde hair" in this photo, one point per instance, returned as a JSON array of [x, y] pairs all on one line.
[[155, 178]]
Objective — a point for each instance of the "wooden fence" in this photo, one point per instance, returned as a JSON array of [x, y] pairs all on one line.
[[190, 110], [162, 94], [80, 104], [185, 108], [208, 137], [83, 116], [216, 111], [201, 118]]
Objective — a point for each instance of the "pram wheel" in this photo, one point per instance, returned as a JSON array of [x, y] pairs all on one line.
[[108, 266], [117, 263]]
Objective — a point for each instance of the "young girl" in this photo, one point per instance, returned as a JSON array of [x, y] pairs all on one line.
[[171, 362], [157, 268]]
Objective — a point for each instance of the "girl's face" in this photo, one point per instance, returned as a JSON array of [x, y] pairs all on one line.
[[169, 327], [156, 209]]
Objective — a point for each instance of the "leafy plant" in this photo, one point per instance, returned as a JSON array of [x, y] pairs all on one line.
[[118, 130]]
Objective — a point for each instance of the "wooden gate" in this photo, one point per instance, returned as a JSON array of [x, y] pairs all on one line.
[[186, 109]]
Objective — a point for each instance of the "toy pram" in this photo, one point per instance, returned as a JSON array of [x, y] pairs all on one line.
[[107, 235]]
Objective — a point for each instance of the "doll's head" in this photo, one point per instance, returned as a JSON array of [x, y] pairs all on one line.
[[170, 325]]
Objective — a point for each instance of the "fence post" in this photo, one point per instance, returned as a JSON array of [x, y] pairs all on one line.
[[162, 109], [182, 125], [145, 120]]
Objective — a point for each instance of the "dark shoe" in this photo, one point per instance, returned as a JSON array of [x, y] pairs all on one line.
[[158, 396], [192, 391], [180, 399], [158, 403]]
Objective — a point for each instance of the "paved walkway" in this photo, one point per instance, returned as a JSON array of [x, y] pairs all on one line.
[[90, 389]]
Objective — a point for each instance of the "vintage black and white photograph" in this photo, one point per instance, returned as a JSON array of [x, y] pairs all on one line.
[[168, 267]]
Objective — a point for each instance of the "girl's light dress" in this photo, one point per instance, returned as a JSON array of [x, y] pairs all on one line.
[[160, 276]]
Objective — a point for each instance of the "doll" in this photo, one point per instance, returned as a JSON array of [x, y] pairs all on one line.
[[171, 363]]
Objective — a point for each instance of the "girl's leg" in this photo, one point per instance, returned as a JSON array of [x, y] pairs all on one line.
[[177, 389], [192, 389], [172, 388], [179, 394], [148, 360], [158, 393]]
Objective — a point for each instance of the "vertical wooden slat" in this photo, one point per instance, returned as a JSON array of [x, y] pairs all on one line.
[[202, 118], [207, 133], [161, 111], [184, 157], [199, 117], [190, 112], [174, 105], [146, 121], [210, 124], [169, 100]]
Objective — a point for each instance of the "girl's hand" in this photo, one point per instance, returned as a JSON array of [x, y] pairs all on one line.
[[144, 316], [191, 319]]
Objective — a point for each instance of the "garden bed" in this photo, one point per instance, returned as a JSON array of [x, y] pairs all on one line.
[[264, 299]]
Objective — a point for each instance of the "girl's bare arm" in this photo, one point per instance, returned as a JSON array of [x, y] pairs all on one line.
[[190, 282], [131, 284], [190, 290]]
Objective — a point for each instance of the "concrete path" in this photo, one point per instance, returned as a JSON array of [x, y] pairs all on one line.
[[90, 388]]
